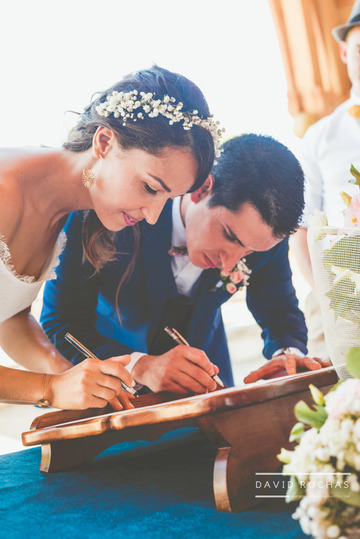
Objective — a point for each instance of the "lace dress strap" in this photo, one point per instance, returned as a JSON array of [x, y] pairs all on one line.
[[5, 258], [17, 292]]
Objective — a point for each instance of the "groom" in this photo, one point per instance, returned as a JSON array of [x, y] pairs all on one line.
[[244, 212]]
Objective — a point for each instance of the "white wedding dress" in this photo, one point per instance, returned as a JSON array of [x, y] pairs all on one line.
[[19, 291]]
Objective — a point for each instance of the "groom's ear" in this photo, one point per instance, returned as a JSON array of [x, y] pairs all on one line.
[[203, 191]]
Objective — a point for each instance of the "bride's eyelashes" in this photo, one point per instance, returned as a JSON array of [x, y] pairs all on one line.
[[149, 189]]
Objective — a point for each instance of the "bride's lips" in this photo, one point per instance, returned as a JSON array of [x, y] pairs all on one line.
[[209, 262], [130, 221]]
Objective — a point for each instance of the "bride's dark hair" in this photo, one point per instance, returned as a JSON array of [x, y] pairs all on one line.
[[150, 134]]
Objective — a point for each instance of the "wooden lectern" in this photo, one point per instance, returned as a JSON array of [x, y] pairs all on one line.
[[248, 425]]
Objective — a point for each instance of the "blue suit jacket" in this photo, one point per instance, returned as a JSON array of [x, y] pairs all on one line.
[[83, 302]]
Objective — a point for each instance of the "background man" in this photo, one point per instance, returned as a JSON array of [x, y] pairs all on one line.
[[329, 148], [246, 208]]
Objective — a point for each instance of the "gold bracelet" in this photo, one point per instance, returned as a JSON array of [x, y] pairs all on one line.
[[43, 403]]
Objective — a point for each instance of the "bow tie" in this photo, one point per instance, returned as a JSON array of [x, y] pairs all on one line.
[[177, 251], [354, 111]]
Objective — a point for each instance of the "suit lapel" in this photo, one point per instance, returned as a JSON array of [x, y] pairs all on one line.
[[208, 295]]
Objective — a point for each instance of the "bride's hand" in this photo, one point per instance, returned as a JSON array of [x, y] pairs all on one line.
[[93, 383]]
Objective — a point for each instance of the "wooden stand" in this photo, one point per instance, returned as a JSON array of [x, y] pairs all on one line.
[[248, 425]]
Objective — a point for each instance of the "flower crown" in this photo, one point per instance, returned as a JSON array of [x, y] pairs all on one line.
[[135, 105]]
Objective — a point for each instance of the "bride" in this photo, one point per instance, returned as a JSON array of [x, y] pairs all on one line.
[[148, 138]]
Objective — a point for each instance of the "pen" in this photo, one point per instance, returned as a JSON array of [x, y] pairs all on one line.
[[179, 339], [77, 344]]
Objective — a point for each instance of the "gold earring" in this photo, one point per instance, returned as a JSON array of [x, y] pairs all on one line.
[[88, 177]]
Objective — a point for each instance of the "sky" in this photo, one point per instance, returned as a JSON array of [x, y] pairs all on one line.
[[56, 54]]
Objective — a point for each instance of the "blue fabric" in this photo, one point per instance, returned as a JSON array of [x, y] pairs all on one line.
[[150, 490], [83, 303]]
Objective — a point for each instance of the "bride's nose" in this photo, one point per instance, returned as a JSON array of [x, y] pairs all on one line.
[[152, 212]]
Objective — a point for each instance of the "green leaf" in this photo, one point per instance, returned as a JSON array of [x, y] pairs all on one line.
[[296, 432], [346, 198], [334, 388], [294, 492], [343, 493], [315, 418], [353, 362], [317, 396], [356, 175], [343, 300], [340, 304], [285, 455], [342, 254]]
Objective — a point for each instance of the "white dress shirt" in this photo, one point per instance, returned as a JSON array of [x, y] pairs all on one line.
[[329, 148], [186, 275]]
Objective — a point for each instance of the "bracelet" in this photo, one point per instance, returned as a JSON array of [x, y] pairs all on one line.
[[43, 403]]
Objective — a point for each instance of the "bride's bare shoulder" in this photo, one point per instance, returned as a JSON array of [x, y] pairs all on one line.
[[11, 202]]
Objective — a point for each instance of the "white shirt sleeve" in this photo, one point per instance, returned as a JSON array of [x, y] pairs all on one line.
[[291, 349], [135, 356], [313, 175]]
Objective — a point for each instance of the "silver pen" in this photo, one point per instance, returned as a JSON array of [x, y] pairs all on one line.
[[77, 344], [179, 339]]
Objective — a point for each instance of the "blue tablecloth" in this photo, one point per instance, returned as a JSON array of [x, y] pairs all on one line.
[[150, 490]]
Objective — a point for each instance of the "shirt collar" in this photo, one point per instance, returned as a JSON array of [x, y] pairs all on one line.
[[178, 228]]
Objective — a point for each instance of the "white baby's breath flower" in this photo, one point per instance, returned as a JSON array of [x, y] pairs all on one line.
[[118, 102], [356, 431], [322, 454], [354, 482], [333, 531], [305, 524], [344, 400]]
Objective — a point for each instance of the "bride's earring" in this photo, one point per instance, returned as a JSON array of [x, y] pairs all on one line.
[[89, 176]]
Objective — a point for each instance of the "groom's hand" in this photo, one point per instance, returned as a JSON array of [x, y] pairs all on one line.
[[181, 370], [285, 365]]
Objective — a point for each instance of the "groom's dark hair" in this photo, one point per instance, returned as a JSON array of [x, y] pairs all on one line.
[[263, 172]]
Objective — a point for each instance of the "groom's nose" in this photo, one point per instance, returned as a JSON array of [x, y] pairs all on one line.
[[231, 257]]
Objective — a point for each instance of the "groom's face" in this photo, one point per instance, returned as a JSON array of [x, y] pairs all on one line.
[[217, 237]]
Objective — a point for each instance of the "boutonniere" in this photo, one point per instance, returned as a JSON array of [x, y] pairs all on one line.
[[232, 280]]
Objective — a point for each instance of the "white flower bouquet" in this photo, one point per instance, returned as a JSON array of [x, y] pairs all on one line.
[[325, 465]]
